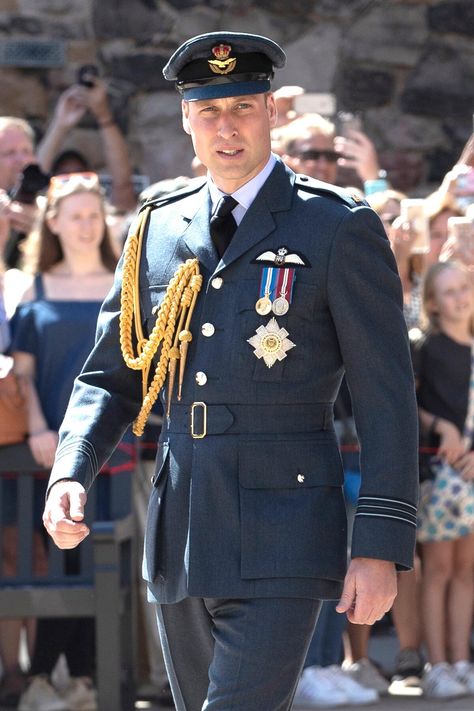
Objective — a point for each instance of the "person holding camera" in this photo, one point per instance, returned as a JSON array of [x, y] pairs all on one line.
[[90, 94], [17, 215]]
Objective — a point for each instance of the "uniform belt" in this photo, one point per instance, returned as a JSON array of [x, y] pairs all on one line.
[[200, 419]]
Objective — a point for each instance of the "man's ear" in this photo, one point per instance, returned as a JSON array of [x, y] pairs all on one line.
[[272, 110], [185, 116]]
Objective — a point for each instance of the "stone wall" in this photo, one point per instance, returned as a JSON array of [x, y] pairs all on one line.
[[407, 64]]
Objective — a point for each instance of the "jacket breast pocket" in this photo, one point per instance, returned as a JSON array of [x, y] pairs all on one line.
[[151, 563], [298, 323], [293, 519]]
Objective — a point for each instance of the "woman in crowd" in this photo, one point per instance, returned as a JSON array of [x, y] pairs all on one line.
[[443, 365], [53, 332], [410, 266]]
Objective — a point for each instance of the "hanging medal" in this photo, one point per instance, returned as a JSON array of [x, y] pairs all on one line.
[[267, 285], [284, 289]]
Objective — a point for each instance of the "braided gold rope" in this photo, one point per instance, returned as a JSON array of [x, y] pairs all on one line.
[[177, 307]]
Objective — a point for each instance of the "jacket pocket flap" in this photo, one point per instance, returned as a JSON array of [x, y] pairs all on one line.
[[292, 464]]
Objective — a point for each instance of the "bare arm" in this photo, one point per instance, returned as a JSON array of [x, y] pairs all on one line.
[[41, 440], [69, 110], [115, 148]]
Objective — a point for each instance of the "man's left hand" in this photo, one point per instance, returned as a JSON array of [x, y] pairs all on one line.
[[370, 587]]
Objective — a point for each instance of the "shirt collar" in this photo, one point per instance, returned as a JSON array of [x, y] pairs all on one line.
[[246, 194]]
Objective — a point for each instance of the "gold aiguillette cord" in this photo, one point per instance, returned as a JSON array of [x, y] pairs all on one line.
[[176, 309]]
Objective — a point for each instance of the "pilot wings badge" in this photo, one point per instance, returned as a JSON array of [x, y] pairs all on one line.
[[271, 342], [282, 258]]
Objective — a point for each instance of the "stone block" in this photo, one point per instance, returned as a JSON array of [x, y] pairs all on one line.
[[46, 8], [142, 70], [442, 85], [82, 52], [391, 35], [312, 60], [289, 10], [359, 88], [9, 5], [128, 18], [453, 16], [29, 102]]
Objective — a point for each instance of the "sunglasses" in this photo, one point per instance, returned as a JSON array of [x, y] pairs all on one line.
[[87, 178], [330, 156]]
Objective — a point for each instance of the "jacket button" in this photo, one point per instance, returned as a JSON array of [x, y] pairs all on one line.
[[217, 282], [200, 378], [300, 478], [208, 329]]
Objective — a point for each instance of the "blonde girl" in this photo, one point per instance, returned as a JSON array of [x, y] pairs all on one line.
[[443, 367]]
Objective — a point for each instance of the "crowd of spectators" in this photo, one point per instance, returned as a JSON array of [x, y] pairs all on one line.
[[59, 250]]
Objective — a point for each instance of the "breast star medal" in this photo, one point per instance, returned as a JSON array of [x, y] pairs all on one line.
[[271, 343]]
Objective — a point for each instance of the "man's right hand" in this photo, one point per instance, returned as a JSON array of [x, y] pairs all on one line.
[[64, 513]]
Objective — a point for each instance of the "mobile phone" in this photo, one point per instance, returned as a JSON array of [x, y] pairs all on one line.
[[465, 181], [85, 72], [462, 230], [315, 103], [347, 122], [412, 210]]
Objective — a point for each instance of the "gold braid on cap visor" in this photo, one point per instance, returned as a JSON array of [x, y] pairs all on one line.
[[171, 328]]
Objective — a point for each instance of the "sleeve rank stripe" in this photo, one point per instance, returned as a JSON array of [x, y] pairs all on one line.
[[380, 515], [400, 502], [379, 511]]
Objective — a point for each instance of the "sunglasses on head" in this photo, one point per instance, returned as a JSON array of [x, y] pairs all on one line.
[[313, 154], [88, 178]]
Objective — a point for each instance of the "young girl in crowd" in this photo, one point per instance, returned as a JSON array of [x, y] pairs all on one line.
[[53, 332], [443, 367]]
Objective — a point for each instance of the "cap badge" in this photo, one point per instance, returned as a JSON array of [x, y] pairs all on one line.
[[222, 64]]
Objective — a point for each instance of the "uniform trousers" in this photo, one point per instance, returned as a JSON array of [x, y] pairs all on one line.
[[236, 655]]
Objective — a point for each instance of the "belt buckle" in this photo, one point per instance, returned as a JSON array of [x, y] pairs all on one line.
[[204, 420]]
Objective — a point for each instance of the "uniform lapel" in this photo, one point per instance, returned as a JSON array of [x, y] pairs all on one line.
[[275, 195], [196, 214]]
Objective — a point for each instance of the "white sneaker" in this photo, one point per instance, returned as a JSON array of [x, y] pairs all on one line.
[[80, 695], [316, 687], [464, 672], [368, 675], [440, 682], [41, 696], [356, 693]]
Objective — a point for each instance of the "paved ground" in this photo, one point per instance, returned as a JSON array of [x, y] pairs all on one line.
[[383, 649]]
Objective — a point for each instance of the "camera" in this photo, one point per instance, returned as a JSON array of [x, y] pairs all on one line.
[[29, 184], [85, 72]]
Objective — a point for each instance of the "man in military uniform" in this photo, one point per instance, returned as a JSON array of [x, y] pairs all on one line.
[[251, 294]]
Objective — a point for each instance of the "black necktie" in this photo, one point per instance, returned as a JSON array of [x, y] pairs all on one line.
[[222, 224]]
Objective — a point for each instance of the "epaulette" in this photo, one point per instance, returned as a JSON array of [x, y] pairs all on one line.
[[174, 196], [318, 187]]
